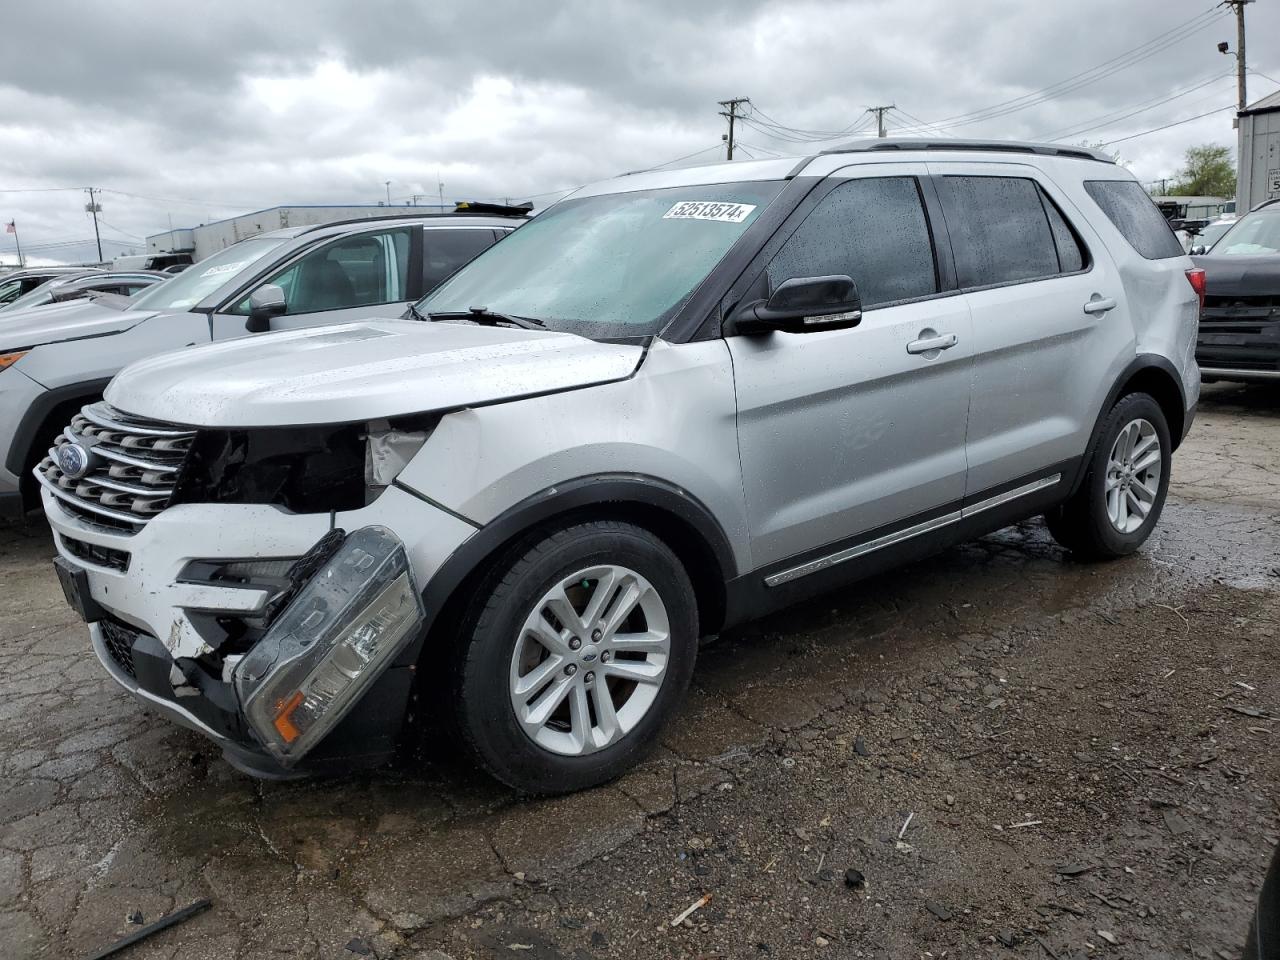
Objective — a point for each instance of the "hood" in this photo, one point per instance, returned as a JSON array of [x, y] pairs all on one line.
[[56, 322], [1241, 276], [362, 371]]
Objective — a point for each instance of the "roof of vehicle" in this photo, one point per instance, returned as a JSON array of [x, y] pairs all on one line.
[[821, 164], [47, 272], [430, 220], [985, 146]]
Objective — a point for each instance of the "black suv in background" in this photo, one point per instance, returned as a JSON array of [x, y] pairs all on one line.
[[1240, 324]]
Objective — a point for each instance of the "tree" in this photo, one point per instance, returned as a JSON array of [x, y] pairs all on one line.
[[1207, 171]]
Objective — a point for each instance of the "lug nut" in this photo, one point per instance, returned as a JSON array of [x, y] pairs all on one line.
[[570, 670], [574, 643], [605, 656], [596, 636], [590, 678]]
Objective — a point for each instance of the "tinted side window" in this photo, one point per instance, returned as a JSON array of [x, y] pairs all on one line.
[[447, 251], [1071, 256], [1127, 205], [365, 269], [999, 231], [872, 230]]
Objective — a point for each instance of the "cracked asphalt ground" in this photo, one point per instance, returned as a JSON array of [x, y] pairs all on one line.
[[1022, 756]]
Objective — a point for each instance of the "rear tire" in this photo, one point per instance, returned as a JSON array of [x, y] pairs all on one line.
[[576, 649], [1123, 491]]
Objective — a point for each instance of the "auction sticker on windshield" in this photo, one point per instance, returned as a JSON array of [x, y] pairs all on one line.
[[224, 268], [709, 210]]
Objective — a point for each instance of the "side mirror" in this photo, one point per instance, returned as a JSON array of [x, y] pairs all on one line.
[[801, 305], [1199, 250], [264, 303]]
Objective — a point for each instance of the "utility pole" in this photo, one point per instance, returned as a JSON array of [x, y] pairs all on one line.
[[95, 208], [1241, 67], [731, 111], [13, 228], [440, 187], [387, 184], [880, 112]]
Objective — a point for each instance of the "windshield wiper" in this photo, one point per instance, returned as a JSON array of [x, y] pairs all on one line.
[[489, 318], [413, 312]]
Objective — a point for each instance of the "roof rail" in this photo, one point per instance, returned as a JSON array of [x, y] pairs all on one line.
[[451, 215], [993, 146]]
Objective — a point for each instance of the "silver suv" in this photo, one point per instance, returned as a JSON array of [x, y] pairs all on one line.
[[672, 402], [56, 358]]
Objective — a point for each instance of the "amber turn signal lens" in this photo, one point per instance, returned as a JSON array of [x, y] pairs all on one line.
[[284, 719], [9, 359]]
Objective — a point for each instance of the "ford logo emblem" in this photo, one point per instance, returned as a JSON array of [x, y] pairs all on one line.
[[73, 460], [589, 656]]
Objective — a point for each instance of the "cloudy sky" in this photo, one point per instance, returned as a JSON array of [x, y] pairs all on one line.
[[186, 115]]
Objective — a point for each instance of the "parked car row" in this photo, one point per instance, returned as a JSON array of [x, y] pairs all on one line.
[[79, 286], [669, 403], [56, 359]]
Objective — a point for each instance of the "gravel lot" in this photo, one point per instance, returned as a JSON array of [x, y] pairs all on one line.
[[1019, 755]]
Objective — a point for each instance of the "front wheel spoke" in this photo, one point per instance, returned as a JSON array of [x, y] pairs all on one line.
[[641, 671], [606, 584], [1132, 500], [651, 641], [532, 681], [1147, 460], [539, 712], [606, 716], [548, 636], [1144, 492], [558, 603], [618, 613], [1113, 481], [580, 718], [1145, 444]]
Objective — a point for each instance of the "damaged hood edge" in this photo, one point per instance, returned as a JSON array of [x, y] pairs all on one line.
[[367, 370]]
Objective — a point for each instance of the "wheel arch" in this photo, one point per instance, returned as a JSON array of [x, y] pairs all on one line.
[[1147, 373], [51, 410], [673, 515]]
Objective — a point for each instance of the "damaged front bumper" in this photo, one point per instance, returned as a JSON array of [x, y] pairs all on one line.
[[320, 680]]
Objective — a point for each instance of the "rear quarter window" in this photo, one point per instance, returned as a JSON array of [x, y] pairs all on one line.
[[1137, 218]]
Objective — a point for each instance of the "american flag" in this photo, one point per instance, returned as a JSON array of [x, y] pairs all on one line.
[[11, 227]]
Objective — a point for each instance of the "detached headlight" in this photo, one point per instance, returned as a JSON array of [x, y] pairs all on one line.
[[333, 640], [388, 451]]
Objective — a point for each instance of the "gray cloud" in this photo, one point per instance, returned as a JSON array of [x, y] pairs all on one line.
[[198, 113]]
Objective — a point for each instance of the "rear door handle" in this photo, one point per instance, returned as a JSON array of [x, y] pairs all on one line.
[[929, 344], [1099, 304]]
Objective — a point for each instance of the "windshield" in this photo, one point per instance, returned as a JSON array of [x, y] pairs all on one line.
[[617, 265], [188, 288], [1253, 234], [1212, 234]]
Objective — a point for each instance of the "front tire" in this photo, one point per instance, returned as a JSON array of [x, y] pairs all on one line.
[[577, 648], [1123, 492]]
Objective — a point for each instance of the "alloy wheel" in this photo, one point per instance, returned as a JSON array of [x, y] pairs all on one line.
[[1133, 475], [590, 660]]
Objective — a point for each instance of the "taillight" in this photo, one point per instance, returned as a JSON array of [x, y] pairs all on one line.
[[1195, 276]]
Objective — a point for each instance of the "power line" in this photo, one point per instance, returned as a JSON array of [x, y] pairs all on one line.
[[1107, 68], [1107, 119], [1166, 126]]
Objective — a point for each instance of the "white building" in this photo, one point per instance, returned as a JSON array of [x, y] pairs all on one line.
[[1258, 178], [209, 238]]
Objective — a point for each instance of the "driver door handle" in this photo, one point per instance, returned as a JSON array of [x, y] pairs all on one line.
[[943, 342], [1099, 304]]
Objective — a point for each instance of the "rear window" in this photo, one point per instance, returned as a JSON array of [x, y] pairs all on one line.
[[1137, 218], [999, 231]]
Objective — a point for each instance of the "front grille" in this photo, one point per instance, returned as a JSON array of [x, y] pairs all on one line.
[[92, 553], [119, 642], [133, 467]]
